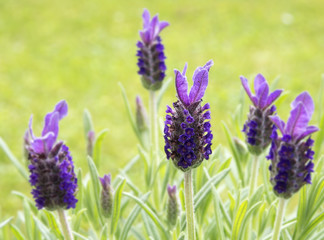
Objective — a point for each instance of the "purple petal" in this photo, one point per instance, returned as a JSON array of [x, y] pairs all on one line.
[[273, 96], [172, 190], [30, 127], [162, 25], [146, 18], [262, 95], [307, 100], [297, 121], [279, 123], [62, 108], [258, 81], [309, 130], [247, 89], [182, 85], [199, 86], [51, 123], [209, 64], [154, 27], [43, 144]]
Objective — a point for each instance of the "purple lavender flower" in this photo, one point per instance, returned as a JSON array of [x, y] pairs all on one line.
[[187, 130], [172, 206], [291, 155], [106, 195], [258, 127], [151, 52], [51, 167]]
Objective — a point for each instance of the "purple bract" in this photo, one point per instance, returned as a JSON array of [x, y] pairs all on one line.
[[291, 155]]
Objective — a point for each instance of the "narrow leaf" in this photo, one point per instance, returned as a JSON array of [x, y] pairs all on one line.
[[116, 207], [97, 147]]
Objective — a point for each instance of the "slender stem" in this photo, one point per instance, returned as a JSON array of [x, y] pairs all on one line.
[[280, 214], [254, 177], [65, 225], [188, 187], [253, 184], [154, 127]]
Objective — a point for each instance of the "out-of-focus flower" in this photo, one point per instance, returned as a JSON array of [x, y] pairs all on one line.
[[187, 130], [51, 167], [291, 154], [151, 52], [173, 209], [258, 127], [106, 195]]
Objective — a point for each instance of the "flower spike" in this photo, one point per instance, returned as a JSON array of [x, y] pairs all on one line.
[[291, 155], [187, 130], [258, 128]]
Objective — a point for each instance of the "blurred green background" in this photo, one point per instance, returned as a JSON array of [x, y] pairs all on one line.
[[80, 50]]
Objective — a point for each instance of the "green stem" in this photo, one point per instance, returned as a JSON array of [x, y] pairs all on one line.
[[65, 225], [154, 127], [280, 214], [188, 187], [253, 184], [254, 177]]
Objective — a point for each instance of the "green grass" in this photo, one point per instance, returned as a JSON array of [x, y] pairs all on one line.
[[80, 50]]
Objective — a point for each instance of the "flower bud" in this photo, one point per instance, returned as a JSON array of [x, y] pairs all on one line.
[[141, 116], [90, 142], [173, 209], [106, 199]]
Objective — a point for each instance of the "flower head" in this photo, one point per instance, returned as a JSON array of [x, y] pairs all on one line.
[[106, 195], [151, 52], [187, 130], [291, 155], [258, 127], [51, 167]]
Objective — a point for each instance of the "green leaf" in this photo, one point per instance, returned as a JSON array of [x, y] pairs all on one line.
[[43, 229], [311, 226], [53, 224], [234, 152], [104, 232], [95, 183], [239, 219], [131, 218], [149, 227], [22, 170], [205, 190], [17, 233], [5, 222], [80, 191], [150, 213], [28, 220], [116, 207], [79, 235], [87, 123], [130, 114], [97, 146]]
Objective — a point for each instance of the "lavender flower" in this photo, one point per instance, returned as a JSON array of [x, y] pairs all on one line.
[[106, 195], [258, 127], [150, 54], [291, 155], [173, 206], [51, 167], [187, 130]]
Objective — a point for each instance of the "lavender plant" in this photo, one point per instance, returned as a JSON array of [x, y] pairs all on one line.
[[51, 167], [187, 132], [291, 155]]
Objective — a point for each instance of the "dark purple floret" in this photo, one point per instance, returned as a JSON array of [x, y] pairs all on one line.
[[106, 198], [291, 155], [51, 167], [187, 130], [258, 128], [150, 52]]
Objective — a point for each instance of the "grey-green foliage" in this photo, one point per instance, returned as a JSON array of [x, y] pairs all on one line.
[[223, 209]]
